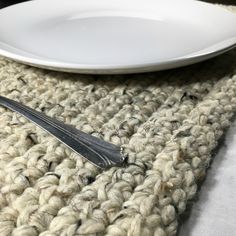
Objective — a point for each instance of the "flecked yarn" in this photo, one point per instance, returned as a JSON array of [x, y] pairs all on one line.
[[168, 122]]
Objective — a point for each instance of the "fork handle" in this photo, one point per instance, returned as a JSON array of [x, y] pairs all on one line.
[[101, 153]]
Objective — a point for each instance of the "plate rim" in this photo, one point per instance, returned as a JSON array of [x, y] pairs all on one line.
[[174, 62], [122, 69]]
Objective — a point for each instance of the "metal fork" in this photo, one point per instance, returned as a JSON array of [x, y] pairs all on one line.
[[99, 152]]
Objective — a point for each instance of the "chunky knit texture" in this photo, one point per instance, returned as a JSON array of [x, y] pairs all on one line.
[[168, 122]]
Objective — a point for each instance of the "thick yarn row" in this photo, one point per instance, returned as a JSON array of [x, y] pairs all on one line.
[[166, 119], [116, 186]]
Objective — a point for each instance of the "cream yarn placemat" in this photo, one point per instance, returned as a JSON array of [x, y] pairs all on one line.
[[169, 123]]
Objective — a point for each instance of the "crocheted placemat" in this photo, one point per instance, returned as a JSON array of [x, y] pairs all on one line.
[[168, 122]]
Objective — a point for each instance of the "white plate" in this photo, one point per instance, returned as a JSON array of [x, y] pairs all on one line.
[[115, 36]]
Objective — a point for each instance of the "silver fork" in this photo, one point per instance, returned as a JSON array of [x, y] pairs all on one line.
[[99, 152]]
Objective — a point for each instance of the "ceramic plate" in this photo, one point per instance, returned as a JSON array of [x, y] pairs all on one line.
[[115, 36]]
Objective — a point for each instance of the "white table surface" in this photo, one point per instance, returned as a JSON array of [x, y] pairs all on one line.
[[214, 213]]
